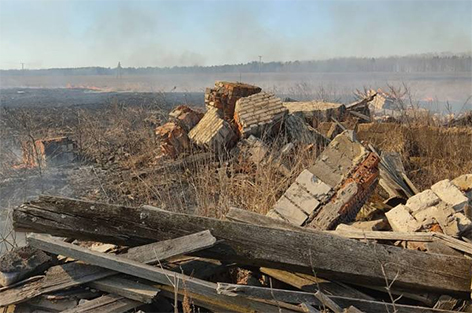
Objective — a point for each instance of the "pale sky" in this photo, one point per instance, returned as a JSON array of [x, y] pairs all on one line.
[[60, 33]]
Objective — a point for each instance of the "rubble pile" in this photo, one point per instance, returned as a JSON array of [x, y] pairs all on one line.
[[318, 249], [334, 189], [236, 110], [151, 259], [442, 208], [225, 95]]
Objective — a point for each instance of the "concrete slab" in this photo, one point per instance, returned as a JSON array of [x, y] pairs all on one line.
[[422, 201], [450, 194], [401, 220], [290, 211]]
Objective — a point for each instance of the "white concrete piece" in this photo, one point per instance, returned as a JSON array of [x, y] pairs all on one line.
[[450, 194], [401, 220], [421, 201]]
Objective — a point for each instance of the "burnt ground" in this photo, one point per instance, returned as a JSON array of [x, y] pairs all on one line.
[[86, 98]]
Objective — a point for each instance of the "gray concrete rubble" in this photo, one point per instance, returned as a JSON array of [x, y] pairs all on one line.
[[443, 208], [298, 131], [316, 111]]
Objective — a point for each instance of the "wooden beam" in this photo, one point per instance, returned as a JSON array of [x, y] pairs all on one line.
[[290, 296], [170, 248], [138, 269], [328, 302], [105, 304], [215, 304], [127, 288], [332, 257], [73, 274], [245, 216], [311, 283], [56, 278], [248, 217], [307, 308]]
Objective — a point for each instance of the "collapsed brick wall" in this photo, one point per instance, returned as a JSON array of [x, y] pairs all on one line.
[[44, 152], [174, 139], [257, 113], [224, 97]]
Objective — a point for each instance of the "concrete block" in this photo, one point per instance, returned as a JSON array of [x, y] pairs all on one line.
[[313, 185], [290, 211], [339, 158], [326, 173], [441, 214], [450, 194], [304, 195], [401, 220], [422, 201], [464, 183], [302, 199]]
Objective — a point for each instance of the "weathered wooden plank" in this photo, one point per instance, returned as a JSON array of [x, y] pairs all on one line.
[[73, 274], [138, 269], [217, 305], [20, 263], [414, 236], [359, 262], [245, 216], [290, 296], [454, 243], [381, 235], [311, 283], [169, 248], [127, 288], [308, 308], [353, 309], [327, 302], [105, 304], [56, 278]]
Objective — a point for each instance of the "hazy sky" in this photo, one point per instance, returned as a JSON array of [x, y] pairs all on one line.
[[61, 33]]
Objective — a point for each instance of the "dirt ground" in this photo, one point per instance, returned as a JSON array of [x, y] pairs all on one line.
[[432, 89]]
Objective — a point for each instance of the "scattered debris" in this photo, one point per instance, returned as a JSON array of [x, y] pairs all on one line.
[[316, 250], [185, 117], [174, 139], [20, 263]]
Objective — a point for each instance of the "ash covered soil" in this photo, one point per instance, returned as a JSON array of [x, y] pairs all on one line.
[[86, 98]]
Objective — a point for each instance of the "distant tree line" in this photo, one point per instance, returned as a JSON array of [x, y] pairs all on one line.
[[403, 64]]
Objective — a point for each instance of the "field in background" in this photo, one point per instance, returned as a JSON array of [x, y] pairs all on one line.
[[433, 90]]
